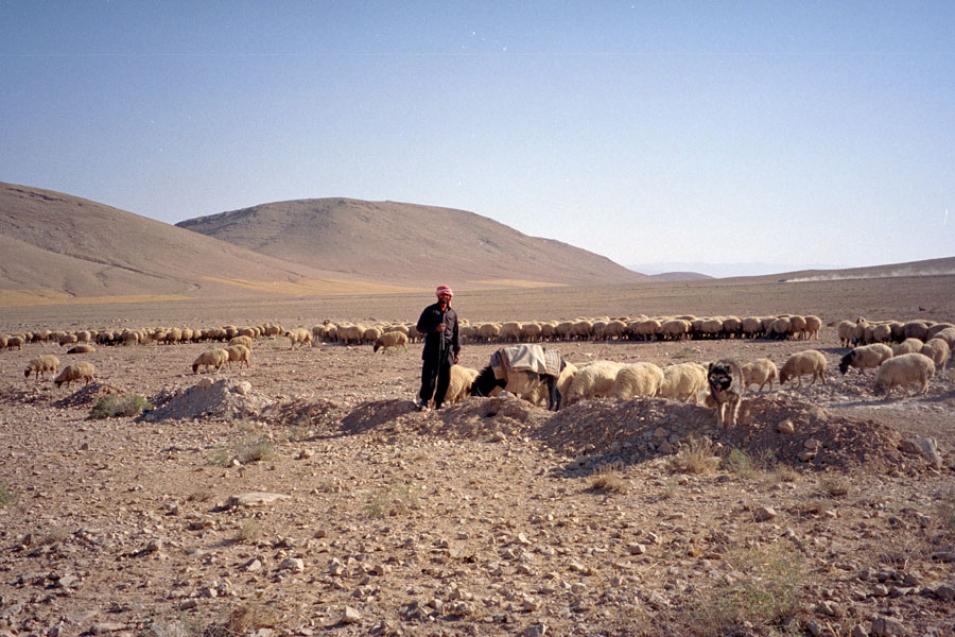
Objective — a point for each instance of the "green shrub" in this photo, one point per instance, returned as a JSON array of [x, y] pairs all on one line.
[[740, 463], [119, 405], [6, 496]]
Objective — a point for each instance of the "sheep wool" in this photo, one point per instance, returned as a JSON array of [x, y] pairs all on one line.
[[809, 361], [41, 366], [77, 371], [906, 369]]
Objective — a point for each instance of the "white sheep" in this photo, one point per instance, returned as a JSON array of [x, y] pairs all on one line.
[[41, 366], [460, 385], [759, 372], [214, 358], [82, 348], [846, 330], [391, 339], [904, 370], [683, 381], [908, 346], [813, 325], [938, 350], [301, 336], [865, 356], [242, 339], [675, 329], [593, 380], [809, 361], [77, 371], [239, 354], [637, 379], [947, 335], [510, 332]]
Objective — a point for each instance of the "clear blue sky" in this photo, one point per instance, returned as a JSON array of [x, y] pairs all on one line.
[[774, 132]]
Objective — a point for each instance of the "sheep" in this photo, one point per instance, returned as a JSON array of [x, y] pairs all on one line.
[[683, 381], [348, 333], [845, 329], [615, 330], [532, 332], [676, 329], [460, 384], [242, 339], [916, 329], [933, 331], [813, 325], [582, 330], [903, 370], [751, 327], [214, 358], [391, 339], [809, 361], [637, 379], [879, 333], [129, 338], [908, 346], [371, 334], [41, 365], [77, 371], [760, 371], [15, 341], [489, 332], [301, 336], [594, 380], [82, 348], [510, 331], [947, 335], [645, 330], [865, 356], [66, 339], [781, 328], [938, 350], [239, 353]]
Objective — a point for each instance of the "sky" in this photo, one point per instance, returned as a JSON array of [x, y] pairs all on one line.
[[761, 133]]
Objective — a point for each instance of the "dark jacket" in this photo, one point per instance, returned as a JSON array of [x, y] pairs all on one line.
[[439, 343]]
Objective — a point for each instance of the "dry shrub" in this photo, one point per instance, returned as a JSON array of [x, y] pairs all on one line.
[[251, 449], [607, 479], [6, 496], [784, 473], [200, 495], [945, 514], [834, 485], [242, 621], [115, 405], [696, 456], [740, 463], [391, 501], [249, 532], [765, 590]]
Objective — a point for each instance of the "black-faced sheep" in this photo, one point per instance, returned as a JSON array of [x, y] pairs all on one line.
[[799, 364], [77, 371], [903, 370], [214, 358], [865, 356], [41, 366]]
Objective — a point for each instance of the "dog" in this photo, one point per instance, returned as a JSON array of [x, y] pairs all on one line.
[[725, 378]]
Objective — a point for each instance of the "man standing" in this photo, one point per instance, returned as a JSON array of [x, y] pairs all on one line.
[[439, 324]]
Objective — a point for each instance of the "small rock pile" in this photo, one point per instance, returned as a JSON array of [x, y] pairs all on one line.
[[225, 399], [88, 395]]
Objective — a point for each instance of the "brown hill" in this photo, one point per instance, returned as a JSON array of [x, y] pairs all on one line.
[[408, 243], [57, 247], [676, 277], [928, 267]]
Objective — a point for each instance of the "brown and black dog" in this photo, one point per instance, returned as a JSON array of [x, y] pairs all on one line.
[[725, 378]]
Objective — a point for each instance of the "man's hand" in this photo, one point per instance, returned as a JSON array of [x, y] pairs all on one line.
[[455, 359], [441, 327]]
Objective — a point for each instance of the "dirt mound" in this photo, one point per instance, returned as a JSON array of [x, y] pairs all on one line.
[[375, 414], [792, 431], [209, 399], [88, 395], [322, 416], [31, 396]]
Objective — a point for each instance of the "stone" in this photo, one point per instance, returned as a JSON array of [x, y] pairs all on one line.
[[636, 548], [786, 427], [764, 514], [350, 616], [292, 564], [945, 592], [252, 566], [535, 630], [254, 499], [859, 631], [887, 627]]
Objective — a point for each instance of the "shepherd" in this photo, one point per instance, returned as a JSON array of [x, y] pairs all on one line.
[[439, 325]]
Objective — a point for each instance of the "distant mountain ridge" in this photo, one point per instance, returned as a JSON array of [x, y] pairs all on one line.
[[408, 243]]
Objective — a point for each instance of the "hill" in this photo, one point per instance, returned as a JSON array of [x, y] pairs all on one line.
[[928, 267], [408, 244], [57, 247]]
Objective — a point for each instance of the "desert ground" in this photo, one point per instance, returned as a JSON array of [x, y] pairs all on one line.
[[816, 514]]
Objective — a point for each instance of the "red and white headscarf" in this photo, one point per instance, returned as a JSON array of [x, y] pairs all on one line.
[[443, 289]]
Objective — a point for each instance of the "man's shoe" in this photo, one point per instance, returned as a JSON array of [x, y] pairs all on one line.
[[421, 405]]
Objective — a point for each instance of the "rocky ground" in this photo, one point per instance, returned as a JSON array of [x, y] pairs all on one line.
[[304, 495]]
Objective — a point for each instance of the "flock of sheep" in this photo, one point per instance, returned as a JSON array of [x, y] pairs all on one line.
[[903, 353]]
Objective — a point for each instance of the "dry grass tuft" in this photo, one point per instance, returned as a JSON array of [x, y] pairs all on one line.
[[696, 456], [247, 450], [6, 496], [249, 532], [834, 485], [945, 514], [392, 501], [764, 589], [119, 405], [741, 464], [607, 480]]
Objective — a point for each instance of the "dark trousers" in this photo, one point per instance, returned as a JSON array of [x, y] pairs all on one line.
[[435, 370]]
